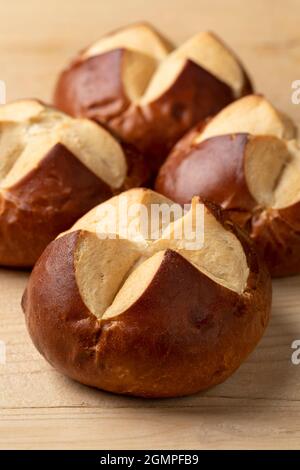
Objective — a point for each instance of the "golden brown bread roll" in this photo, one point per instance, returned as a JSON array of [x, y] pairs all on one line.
[[147, 92], [246, 159], [151, 317], [54, 168]]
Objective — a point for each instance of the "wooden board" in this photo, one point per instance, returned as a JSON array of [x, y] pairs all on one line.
[[259, 407]]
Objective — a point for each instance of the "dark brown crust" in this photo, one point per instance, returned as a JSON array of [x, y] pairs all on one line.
[[163, 345], [93, 88], [277, 236], [47, 201], [214, 170]]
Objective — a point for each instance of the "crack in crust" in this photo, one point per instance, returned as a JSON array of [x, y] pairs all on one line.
[[106, 282]]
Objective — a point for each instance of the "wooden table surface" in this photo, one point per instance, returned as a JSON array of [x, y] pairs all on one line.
[[259, 407]]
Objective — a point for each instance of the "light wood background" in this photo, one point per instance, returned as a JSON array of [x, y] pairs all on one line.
[[259, 407]]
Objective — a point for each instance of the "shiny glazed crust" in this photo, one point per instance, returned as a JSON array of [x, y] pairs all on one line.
[[216, 169], [162, 345], [44, 186]]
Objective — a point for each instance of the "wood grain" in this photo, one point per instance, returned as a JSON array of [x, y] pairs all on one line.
[[259, 407]]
